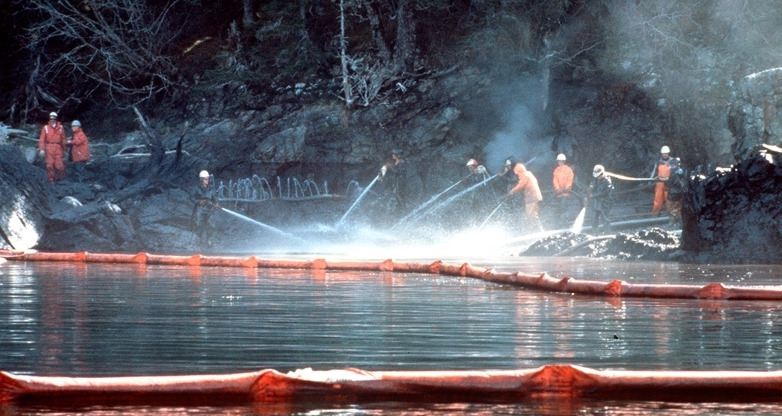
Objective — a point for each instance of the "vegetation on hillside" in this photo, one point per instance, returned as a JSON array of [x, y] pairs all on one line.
[[678, 59], [74, 55]]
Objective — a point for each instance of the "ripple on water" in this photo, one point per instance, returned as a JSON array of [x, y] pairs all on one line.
[[97, 320]]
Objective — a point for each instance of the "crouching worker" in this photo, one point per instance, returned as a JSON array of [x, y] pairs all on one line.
[[205, 203], [600, 194]]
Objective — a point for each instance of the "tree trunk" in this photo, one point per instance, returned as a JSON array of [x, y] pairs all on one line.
[[247, 19], [377, 34], [405, 38], [347, 88]]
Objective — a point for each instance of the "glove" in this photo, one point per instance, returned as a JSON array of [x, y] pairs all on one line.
[[481, 170], [41, 153], [383, 171]]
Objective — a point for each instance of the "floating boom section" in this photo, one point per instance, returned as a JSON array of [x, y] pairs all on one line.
[[354, 385], [551, 382], [206, 388], [617, 288]]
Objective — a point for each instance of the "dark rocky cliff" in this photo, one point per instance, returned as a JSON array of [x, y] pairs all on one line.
[[512, 81]]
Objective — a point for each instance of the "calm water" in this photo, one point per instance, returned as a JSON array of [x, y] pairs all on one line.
[[102, 320]]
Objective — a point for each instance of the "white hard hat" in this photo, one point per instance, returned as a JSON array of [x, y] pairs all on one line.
[[598, 170], [75, 123], [472, 162], [561, 157], [665, 149], [203, 174], [53, 114]]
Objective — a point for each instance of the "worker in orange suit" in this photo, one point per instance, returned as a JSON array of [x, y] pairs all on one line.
[[51, 144], [532, 196], [563, 185], [662, 171], [80, 147]]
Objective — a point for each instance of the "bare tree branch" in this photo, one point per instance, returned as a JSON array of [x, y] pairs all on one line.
[[118, 46]]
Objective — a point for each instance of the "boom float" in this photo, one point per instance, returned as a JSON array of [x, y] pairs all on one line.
[[533, 281], [355, 386]]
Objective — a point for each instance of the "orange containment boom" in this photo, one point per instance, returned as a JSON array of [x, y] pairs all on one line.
[[355, 386], [533, 281]]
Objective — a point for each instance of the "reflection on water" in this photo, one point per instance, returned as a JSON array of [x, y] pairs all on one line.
[[99, 320]]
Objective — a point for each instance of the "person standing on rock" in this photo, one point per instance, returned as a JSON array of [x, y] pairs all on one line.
[[563, 185], [661, 172], [204, 198], [51, 145], [676, 187], [532, 196], [80, 148], [599, 199]]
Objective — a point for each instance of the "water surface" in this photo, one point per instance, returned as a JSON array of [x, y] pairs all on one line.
[[103, 320]]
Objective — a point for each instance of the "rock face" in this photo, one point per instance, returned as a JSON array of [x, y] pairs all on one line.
[[24, 200], [755, 115], [96, 226], [131, 204], [735, 215]]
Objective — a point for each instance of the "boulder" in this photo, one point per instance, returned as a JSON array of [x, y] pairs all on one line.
[[95, 226], [160, 238], [755, 115], [25, 200], [735, 215]]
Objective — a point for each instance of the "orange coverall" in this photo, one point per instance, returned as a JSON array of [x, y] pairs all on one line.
[[52, 142], [563, 181], [532, 196], [80, 152], [660, 192]]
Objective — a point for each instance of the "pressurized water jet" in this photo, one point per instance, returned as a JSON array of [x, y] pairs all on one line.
[[260, 224], [579, 223], [427, 203], [360, 197], [445, 203], [492, 213]]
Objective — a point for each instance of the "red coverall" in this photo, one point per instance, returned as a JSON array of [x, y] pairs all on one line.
[[80, 152], [563, 181], [52, 142], [660, 192]]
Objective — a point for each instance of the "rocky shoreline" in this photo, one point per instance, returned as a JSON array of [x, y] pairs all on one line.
[[731, 216]]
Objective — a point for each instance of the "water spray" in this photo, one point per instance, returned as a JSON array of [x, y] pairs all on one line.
[[426, 204], [578, 225], [453, 198], [342, 220], [268, 227], [493, 212]]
